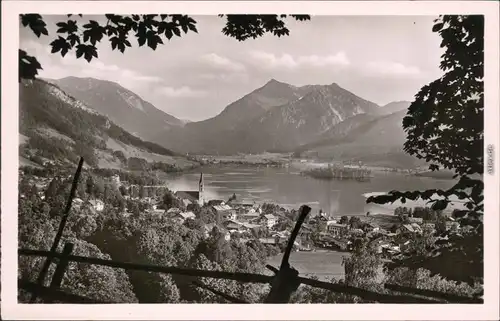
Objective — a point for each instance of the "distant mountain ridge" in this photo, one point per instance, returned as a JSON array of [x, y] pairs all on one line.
[[276, 116], [395, 106], [60, 128], [120, 105], [377, 141], [322, 120]]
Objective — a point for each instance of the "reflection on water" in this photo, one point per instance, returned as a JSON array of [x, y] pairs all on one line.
[[285, 186]]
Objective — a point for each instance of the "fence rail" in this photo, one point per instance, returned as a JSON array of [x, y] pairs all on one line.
[[284, 283]]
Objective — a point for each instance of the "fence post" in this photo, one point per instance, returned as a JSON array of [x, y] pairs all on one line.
[[61, 266], [48, 261], [286, 281]]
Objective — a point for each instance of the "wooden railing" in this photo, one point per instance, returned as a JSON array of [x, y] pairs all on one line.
[[284, 282]]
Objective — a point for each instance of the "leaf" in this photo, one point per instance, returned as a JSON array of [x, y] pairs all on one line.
[[141, 40], [439, 205], [437, 27], [73, 39], [192, 27], [28, 66], [35, 23], [60, 44]]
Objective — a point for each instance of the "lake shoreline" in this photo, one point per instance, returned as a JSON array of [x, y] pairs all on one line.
[[288, 189]]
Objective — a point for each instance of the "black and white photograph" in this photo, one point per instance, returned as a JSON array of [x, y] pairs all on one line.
[[306, 157]]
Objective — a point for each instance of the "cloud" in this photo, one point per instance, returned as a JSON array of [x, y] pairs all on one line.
[[226, 78], [181, 92], [272, 61], [219, 62], [389, 68]]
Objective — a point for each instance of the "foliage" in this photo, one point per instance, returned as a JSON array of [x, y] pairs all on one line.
[[444, 126], [423, 279], [37, 231], [151, 30], [171, 201], [308, 294], [344, 219], [363, 266]]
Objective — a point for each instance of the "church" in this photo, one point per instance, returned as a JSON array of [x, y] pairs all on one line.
[[193, 197]]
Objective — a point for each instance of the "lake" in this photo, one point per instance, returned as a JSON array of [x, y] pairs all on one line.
[[323, 265], [285, 186]]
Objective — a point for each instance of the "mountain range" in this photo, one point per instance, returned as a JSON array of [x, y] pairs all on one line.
[[322, 121], [55, 126], [120, 105]]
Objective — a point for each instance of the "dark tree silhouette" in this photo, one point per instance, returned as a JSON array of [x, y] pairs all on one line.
[[444, 126], [152, 30]]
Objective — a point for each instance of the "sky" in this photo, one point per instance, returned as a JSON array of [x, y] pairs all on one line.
[[379, 58]]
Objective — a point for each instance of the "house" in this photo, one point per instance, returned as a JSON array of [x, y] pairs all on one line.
[[215, 202], [410, 228], [370, 227], [158, 211], [97, 204], [181, 217], [248, 217], [193, 197], [336, 229], [235, 227], [173, 210], [429, 226], [417, 220], [357, 231], [225, 212], [269, 220]]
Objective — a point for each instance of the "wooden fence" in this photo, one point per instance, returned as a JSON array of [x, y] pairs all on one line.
[[284, 282]]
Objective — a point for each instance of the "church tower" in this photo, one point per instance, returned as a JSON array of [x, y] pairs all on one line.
[[201, 189]]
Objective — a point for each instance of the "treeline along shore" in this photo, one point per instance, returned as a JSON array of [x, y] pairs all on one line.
[[339, 172]]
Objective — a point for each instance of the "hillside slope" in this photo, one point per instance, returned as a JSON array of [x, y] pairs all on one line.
[[120, 105], [378, 142], [394, 107], [60, 128]]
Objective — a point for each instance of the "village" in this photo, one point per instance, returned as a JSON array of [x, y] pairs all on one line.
[[270, 224]]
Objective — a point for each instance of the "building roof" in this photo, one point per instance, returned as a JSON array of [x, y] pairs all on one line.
[[250, 214], [269, 216], [221, 208], [412, 227], [187, 215], [189, 195], [250, 226], [337, 225]]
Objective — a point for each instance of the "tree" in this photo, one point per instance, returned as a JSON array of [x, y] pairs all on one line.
[[355, 222], [170, 201], [444, 126], [123, 190], [151, 30], [344, 220], [142, 192], [52, 188], [362, 268]]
